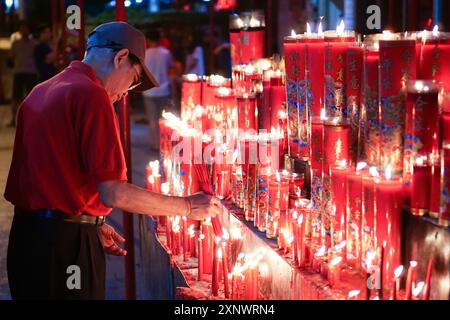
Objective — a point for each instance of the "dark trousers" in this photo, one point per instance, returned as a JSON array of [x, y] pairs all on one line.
[[53, 259]]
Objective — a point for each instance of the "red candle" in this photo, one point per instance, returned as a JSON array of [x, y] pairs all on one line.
[[354, 218], [251, 281], [235, 25], [265, 113], [410, 279], [252, 37], [445, 124], [368, 215], [191, 94], [301, 246], [334, 271], [186, 250], [217, 263], [434, 62], [396, 283], [421, 180], [226, 284], [223, 184], [444, 214], [237, 283], [263, 197], [397, 64], [277, 97], [422, 110], [200, 257], [427, 289], [336, 44], [192, 241], [354, 77], [208, 243], [435, 187], [247, 112], [338, 176], [369, 117], [315, 72], [336, 142], [295, 233], [316, 157], [296, 92], [389, 198], [278, 200]]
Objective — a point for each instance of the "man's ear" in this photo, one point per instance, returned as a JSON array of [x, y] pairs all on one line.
[[120, 57]]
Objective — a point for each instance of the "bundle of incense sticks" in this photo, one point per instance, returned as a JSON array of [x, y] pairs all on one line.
[[206, 186]]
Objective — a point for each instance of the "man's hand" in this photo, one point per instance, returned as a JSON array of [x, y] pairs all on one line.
[[109, 237], [202, 206]]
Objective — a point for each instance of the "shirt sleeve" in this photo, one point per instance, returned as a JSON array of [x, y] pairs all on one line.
[[99, 138]]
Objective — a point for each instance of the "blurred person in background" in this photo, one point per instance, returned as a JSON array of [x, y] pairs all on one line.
[[158, 60], [45, 55], [21, 59], [195, 61]]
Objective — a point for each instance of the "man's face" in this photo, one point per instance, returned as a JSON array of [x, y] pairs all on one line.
[[124, 77]]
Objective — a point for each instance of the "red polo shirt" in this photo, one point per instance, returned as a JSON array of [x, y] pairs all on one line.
[[67, 141]]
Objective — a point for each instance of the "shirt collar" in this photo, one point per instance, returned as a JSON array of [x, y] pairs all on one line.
[[86, 69]]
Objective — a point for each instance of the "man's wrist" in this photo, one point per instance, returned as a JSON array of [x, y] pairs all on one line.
[[187, 203]]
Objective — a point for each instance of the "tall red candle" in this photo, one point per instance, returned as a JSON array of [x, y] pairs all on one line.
[[208, 244], [338, 178], [315, 72], [296, 92], [277, 97], [354, 218], [389, 198], [397, 65], [247, 112], [235, 25], [252, 36], [336, 142], [368, 216], [444, 214], [278, 200], [369, 142], [263, 197], [191, 94], [336, 44], [435, 187], [421, 185], [422, 110], [434, 61], [200, 257], [354, 79]]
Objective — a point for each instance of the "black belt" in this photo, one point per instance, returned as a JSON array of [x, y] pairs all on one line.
[[59, 215]]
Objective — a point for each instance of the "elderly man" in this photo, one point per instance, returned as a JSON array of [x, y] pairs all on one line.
[[68, 171]]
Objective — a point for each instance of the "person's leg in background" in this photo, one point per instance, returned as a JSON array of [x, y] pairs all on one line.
[[153, 112]]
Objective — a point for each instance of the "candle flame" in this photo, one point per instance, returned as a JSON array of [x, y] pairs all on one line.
[[263, 269], [216, 79], [224, 91], [323, 114], [254, 23], [293, 34], [236, 233], [340, 246], [336, 261], [321, 251], [373, 172], [360, 166], [191, 230], [290, 240], [201, 236], [398, 272], [418, 289], [151, 179], [282, 115], [207, 220], [154, 165], [388, 172], [342, 163], [184, 218], [308, 28], [340, 28], [278, 176], [354, 293], [191, 77], [219, 253], [300, 219], [413, 264], [165, 187], [436, 30], [320, 28]]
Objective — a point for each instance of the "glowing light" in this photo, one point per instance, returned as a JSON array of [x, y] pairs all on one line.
[[398, 272], [322, 114], [191, 77], [340, 28], [336, 261], [418, 289], [360, 166], [388, 172], [353, 294], [165, 187], [127, 3], [436, 30], [308, 28], [320, 29], [373, 172], [293, 34]]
